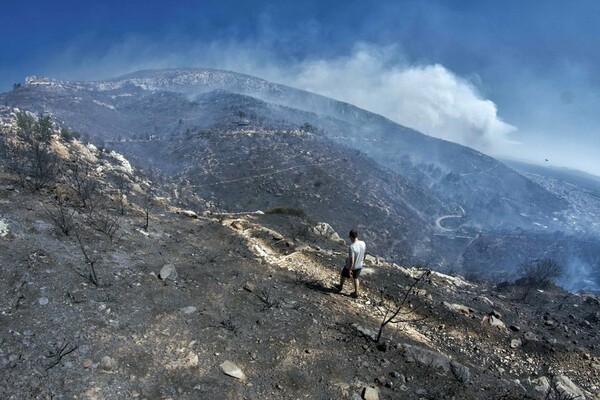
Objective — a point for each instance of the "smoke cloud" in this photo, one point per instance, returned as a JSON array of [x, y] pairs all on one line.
[[428, 98]]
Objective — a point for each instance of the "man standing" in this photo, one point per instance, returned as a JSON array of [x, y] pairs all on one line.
[[354, 262]]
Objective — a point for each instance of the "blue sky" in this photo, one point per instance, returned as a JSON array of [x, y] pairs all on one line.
[[515, 78]]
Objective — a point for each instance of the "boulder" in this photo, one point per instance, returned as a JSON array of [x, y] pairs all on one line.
[[237, 225], [168, 271], [459, 308], [324, 229], [188, 213], [496, 322], [233, 370], [540, 385], [108, 364], [515, 343], [370, 393], [437, 361], [370, 260], [567, 389]]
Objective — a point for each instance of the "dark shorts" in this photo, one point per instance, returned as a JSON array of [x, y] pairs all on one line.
[[355, 273]]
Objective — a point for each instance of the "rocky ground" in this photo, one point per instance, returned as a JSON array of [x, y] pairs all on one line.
[[177, 302], [244, 306]]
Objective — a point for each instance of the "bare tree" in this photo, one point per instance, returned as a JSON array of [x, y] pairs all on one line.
[[402, 309], [82, 182], [17, 162], [122, 187], [538, 273], [61, 215], [105, 219], [91, 258], [147, 206]]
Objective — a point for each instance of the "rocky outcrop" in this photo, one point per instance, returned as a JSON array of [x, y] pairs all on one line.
[[324, 229], [437, 361]]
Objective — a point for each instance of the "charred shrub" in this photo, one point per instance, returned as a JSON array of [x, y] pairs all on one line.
[[298, 212]]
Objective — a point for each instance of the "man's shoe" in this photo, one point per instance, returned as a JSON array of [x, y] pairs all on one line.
[[354, 295]]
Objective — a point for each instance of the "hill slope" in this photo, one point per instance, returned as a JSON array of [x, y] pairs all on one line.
[[173, 302]]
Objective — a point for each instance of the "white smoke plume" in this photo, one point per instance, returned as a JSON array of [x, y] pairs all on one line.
[[429, 98]]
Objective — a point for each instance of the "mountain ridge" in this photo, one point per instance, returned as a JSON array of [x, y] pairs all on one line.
[[481, 196]]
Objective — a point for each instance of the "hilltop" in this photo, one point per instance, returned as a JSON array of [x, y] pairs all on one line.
[[113, 290]]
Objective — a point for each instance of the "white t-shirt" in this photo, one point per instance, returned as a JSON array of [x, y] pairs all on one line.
[[357, 249]]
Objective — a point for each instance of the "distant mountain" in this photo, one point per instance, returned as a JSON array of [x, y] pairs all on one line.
[[579, 178], [235, 142], [160, 102]]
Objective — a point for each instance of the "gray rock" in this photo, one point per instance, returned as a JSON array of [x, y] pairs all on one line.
[[540, 385], [398, 376], [567, 388], [496, 314], [459, 308], [168, 271], [365, 331], [276, 236], [369, 259], [250, 287], [496, 322], [514, 328], [355, 396], [550, 322], [237, 225], [515, 343], [460, 372], [188, 213], [77, 296], [437, 361], [324, 229], [188, 309], [108, 364], [370, 393], [43, 301], [486, 301], [233, 370]]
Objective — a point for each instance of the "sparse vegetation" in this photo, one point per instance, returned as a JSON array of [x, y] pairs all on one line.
[[82, 182], [298, 212], [147, 206], [537, 274], [62, 215], [31, 157], [402, 308], [105, 220], [68, 135], [91, 258]]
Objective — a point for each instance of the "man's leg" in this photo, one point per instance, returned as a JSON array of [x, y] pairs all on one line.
[[342, 280], [356, 286]]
